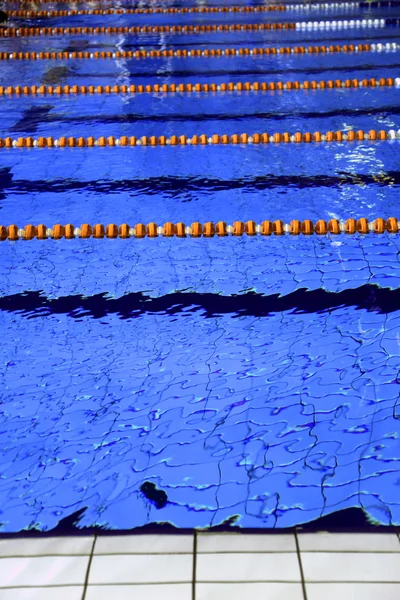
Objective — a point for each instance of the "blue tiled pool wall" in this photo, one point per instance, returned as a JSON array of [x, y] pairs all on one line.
[[195, 382]]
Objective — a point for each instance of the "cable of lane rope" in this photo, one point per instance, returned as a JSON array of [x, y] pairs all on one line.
[[240, 86], [200, 140], [198, 53], [197, 230], [201, 9], [197, 29]]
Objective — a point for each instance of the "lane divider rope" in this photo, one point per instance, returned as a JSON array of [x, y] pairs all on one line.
[[341, 5], [189, 87], [197, 29], [202, 9], [147, 11], [187, 29], [198, 53], [199, 140], [256, 86], [352, 23], [197, 230]]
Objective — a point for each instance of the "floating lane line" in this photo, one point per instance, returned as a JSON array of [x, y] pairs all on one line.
[[240, 86], [148, 11], [345, 24], [197, 53], [199, 9], [197, 230], [340, 5], [200, 140], [198, 29], [187, 29]]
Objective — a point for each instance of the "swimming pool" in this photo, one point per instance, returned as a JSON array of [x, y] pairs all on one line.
[[248, 380]]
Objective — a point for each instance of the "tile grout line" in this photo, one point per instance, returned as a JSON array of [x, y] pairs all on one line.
[[217, 553], [398, 534], [303, 583], [211, 581], [194, 571], [85, 585]]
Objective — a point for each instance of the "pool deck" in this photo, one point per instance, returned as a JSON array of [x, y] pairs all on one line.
[[203, 566]]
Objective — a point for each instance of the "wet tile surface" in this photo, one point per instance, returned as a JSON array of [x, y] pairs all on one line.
[[255, 591], [348, 566], [144, 544], [43, 593], [68, 546], [248, 567], [42, 571], [231, 542], [350, 542], [140, 592], [139, 568], [352, 591], [262, 569]]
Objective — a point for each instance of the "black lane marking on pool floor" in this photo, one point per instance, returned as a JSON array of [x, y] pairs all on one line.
[[6, 182], [133, 305], [309, 37], [174, 187], [194, 44], [32, 118], [109, 76], [349, 520], [35, 117], [133, 118]]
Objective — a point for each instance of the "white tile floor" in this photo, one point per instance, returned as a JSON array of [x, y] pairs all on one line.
[[205, 566]]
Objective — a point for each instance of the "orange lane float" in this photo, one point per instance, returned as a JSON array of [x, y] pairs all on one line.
[[285, 7], [144, 11], [196, 52], [202, 139], [190, 29], [257, 86], [11, 32], [196, 230]]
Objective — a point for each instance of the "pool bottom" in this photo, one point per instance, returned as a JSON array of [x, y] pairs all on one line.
[[262, 409]]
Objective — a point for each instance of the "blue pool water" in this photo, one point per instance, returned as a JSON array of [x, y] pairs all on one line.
[[250, 381]]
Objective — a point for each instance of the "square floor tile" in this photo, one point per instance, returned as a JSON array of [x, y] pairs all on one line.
[[352, 591], [349, 542], [70, 592], [42, 571], [241, 542], [144, 544], [141, 568], [248, 567], [50, 546], [252, 591], [350, 566], [166, 591]]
